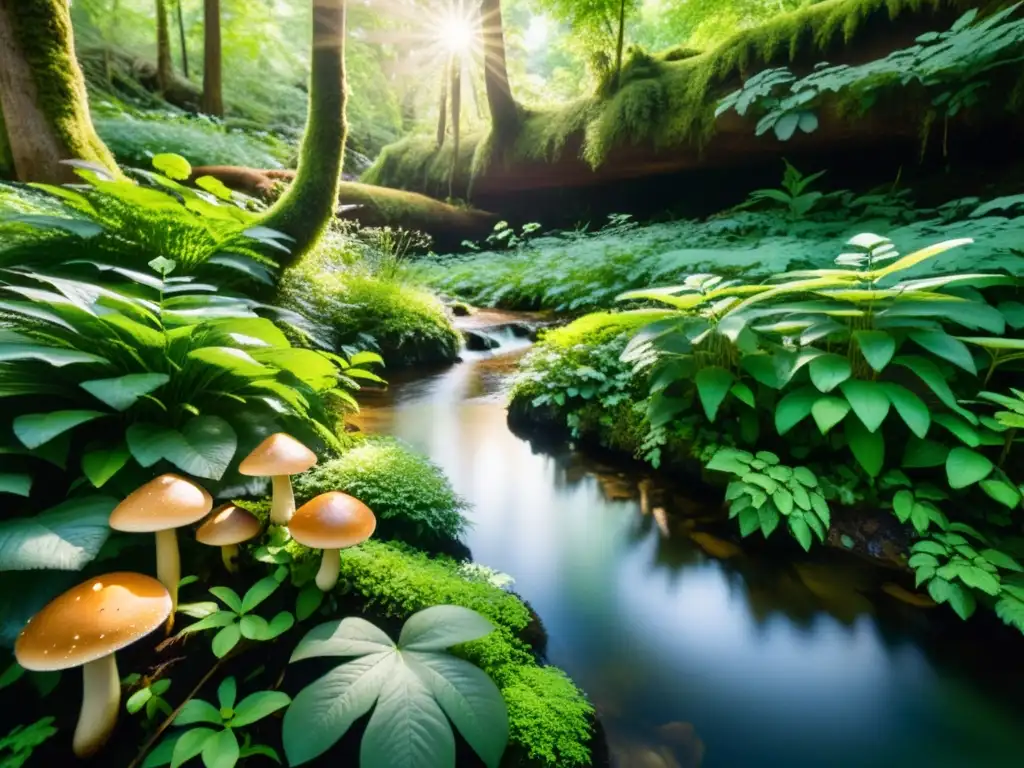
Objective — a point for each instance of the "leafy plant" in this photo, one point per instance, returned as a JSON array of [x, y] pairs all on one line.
[[237, 620], [413, 686], [17, 746], [218, 745], [148, 697], [793, 195]]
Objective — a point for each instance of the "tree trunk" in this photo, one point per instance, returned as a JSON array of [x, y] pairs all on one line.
[[504, 110], [42, 93], [305, 210], [181, 38], [442, 112], [164, 63], [618, 47], [213, 91], [456, 91]]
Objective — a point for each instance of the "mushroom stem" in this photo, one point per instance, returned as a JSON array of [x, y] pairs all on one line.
[[228, 554], [101, 698], [327, 576], [168, 567], [282, 505]]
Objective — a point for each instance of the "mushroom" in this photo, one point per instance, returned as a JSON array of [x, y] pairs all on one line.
[[160, 506], [277, 457], [226, 528], [331, 522], [84, 627]]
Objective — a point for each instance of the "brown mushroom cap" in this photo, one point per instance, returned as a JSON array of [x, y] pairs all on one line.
[[92, 620], [169, 501], [332, 520], [279, 454], [228, 525]]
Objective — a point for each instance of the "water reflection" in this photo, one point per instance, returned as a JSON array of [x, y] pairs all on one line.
[[695, 652]]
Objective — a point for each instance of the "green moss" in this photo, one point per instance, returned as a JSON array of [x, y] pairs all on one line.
[[596, 328], [43, 30], [550, 719], [415, 163], [410, 496]]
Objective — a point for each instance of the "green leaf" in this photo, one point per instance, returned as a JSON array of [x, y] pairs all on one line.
[[1001, 560], [254, 627], [257, 706], [829, 371], [138, 700], [190, 744], [921, 454], [930, 547], [470, 700], [55, 356], [980, 579], [878, 347], [235, 361], [334, 702], [743, 393], [204, 448], [280, 624], [801, 532], [221, 750], [712, 386], [16, 483], [122, 392], [750, 520], [783, 499], [922, 560], [867, 447], [308, 601], [941, 344], [172, 166], [65, 538], [35, 429], [365, 358], [211, 621], [1011, 611], [730, 460], [910, 407], [102, 462], [963, 431], [1004, 492], [930, 374], [965, 467], [805, 477], [829, 411], [869, 402], [794, 408], [229, 597], [227, 693], [163, 753], [442, 626], [768, 515], [225, 640], [259, 592], [197, 711], [348, 637], [214, 186], [903, 505]]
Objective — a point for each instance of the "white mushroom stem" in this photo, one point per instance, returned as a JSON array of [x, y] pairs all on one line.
[[101, 698], [229, 554], [282, 504], [168, 567], [327, 576]]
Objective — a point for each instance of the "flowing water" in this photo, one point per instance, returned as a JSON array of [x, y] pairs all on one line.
[[694, 652]]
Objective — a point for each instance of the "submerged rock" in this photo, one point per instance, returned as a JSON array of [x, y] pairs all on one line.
[[479, 342]]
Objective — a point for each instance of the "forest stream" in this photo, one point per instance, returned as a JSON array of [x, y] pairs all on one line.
[[694, 651]]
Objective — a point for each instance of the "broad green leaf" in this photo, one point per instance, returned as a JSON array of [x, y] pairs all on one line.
[[903, 505], [122, 392], [309, 599], [66, 537], [102, 462], [969, 314], [1011, 611], [960, 599], [920, 454], [930, 374], [743, 393], [801, 532], [365, 358], [783, 500], [253, 627], [994, 342], [172, 166], [923, 560], [189, 745], [910, 407], [821, 509], [805, 477], [257, 706], [1001, 560], [221, 750], [930, 547], [442, 626], [204, 448], [470, 700], [965, 467], [750, 521], [225, 640], [138, 700], [35, 429], [1002, 491], [349, 637], [794, 408], [227, 693], [712, 386], [314, 369], [829, 371], [334, 702], [868, 400], [197, 711], [259, 592], [17, 483], [829, 411], [943, 345], [867, 447], [214, 186], [878, 347], [960, 428], [55, 356], [233, 360], [980, 579], [768, 515], [212, 621], [916, 258], [228, 596]]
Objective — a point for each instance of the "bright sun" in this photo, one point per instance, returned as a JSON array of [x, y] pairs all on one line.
[[457, 34]]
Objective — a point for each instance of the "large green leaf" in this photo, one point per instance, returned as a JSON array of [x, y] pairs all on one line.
[[878, 347], [829, 371], [920, 454], [18, 483], [712, 386], [801, 531], [943, 345], [334, 702], [930, 374], [233, 360], [442, 626], [470, 699], [258, 705], [867, 447], [308, 366], [172, 166], [868, 400], [910, 407], [965, 467], [122, 392], [221, 750], [35, 429], [203, 448], [348, 637], [829, 411], [100, 462], [66, 537], [970, 314], [794, 408], [190, 744]]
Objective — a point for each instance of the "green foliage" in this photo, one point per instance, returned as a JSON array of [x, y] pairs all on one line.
[[148, 697], [793, 196], [218, 746], [410, 496], [549, 718], [17, 746], [414, 687]]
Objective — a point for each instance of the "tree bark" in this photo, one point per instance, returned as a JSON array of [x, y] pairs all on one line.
[[618, 47], [504, 110], [305, 210], [164, 62], [181, 38], [456, 91], [442, 112], [42, 93], [213, 90]]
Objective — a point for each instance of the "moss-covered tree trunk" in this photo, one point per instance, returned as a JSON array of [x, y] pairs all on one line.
[[164, 62], [42, 93], [213, 93], [504, 110], [305, 210], [619, 44]]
